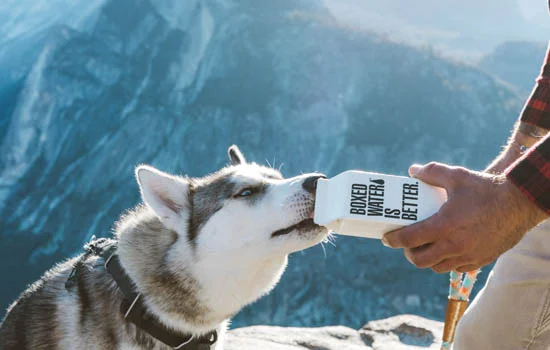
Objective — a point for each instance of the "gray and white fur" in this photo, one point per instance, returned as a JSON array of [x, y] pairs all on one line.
[[198, 250]]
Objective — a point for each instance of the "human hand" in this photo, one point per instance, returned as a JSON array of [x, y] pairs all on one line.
[[484, 216]]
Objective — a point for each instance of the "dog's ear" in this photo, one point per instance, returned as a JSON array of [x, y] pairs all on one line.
[[167, 195], [235, 155]]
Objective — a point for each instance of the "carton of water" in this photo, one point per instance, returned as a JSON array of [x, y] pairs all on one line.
[[365, 204]]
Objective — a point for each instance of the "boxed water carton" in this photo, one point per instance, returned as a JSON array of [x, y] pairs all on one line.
[[365, 204]]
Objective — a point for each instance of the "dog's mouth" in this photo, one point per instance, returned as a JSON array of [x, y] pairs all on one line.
[[303, 226]]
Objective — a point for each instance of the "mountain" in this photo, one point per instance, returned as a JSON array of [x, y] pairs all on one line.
[[517, 63], [173, 84], [465, 29]]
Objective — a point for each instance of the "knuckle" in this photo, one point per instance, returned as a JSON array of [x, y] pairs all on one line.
[[459, 175], [418, 260], [460, 172], [459, 241], [432, 167], [406, 241]]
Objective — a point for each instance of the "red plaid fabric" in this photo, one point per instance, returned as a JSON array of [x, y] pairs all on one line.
[[531, 172], [537, 108]]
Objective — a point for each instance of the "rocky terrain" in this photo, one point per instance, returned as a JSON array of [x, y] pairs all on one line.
[[395, 333]]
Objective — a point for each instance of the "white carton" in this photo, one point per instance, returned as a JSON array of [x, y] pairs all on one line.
[[364, 204]]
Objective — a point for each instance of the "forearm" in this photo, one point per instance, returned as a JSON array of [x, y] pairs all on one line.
[[533, 124], [524, 136]]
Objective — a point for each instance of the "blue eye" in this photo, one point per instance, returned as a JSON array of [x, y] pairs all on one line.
[[245, 193]]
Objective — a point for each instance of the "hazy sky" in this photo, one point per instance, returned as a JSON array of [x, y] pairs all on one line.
[[534, 9], [468, 28]]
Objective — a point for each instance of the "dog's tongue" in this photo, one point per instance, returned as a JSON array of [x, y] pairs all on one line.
[[312, 214]]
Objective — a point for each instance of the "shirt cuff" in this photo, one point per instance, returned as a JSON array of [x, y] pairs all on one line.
[[531, 174]]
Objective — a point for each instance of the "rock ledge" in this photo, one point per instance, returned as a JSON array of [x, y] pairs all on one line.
[[395, 333]]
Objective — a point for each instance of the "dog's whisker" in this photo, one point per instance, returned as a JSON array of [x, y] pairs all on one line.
[[331, 239], [324, 250]]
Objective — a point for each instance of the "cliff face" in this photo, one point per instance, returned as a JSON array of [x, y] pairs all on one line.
[[396, 333], [173, 83]]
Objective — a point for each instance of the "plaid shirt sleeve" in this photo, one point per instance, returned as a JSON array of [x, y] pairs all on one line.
[[537, 108], [531, 172]]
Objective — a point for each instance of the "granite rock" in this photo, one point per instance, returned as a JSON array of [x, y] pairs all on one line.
[[394, 333]]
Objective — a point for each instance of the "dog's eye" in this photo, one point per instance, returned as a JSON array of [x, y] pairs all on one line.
[[247, 192]]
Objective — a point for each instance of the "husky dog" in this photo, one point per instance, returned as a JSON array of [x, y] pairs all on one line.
[[194, 254]]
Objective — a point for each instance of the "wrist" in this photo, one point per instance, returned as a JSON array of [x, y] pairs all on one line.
[[528, 134], [512, 152], [525, 135]]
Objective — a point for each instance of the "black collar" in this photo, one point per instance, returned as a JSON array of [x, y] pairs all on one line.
[[135, 311]]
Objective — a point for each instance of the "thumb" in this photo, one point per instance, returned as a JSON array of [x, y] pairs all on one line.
[[435, 174]]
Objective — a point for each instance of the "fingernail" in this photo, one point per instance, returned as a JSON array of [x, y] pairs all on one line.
[[413, 169], [385, 242]]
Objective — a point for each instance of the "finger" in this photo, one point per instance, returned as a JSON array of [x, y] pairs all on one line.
[[413, 236], [429, 255], [450, 264], [421, 257], [437, 174], [467, 268]]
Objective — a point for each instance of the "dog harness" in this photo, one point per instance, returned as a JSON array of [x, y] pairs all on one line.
[[133, 308]]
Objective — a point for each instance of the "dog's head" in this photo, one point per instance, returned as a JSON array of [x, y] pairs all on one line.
[[205, 247], [242, 210]]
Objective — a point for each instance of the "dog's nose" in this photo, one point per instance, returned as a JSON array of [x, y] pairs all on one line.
[[310, 184]]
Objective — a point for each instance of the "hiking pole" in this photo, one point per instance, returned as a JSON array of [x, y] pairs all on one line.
[[459, 295]]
